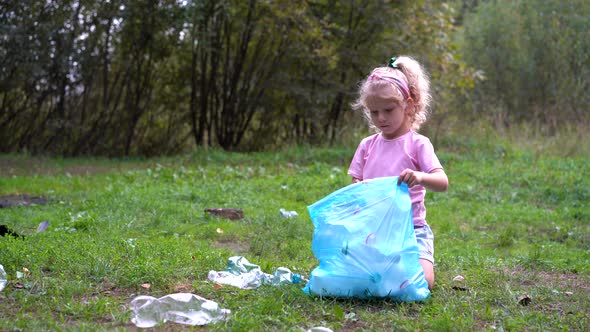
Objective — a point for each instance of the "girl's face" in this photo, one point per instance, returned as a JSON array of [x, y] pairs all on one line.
[[388, 114]]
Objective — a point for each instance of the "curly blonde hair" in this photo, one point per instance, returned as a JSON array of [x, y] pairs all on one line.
[[412, 74]]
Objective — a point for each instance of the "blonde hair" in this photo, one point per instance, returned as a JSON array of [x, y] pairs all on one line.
[[412, 74]]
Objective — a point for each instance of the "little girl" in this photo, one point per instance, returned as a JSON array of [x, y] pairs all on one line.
[[395, 101]]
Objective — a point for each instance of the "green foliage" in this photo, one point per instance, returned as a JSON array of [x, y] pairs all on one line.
[[147, 78], [514, 221], [534, 56]]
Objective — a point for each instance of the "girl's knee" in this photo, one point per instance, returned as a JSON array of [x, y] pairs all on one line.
[[428, 268]]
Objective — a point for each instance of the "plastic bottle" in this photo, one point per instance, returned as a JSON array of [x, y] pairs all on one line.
[[283, 275], [182, 308], [247, 280], [3, 279]]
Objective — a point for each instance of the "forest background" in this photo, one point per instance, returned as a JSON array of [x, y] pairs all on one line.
[[145, 78]]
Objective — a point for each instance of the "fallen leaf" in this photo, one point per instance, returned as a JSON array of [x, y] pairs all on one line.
[[459, 279], [217, 286], [184, 288]]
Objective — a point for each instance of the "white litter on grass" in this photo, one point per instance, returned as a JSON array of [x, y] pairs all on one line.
[[245, 275], [3, 280], [181, 308], [287, 214], [319, 329]]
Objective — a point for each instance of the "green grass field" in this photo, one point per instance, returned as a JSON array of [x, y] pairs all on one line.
[[515, 222]]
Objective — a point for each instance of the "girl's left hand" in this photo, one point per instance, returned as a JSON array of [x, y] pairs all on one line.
[[410, 177], [436, 180]]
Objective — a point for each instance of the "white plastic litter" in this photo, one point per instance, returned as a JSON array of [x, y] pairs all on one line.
[[182, 308], [3, 280], [247, 280], [319, 329], [287, 214], [245, 275]]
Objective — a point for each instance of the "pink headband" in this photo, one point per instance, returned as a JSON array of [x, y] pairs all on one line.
[[399, 84]]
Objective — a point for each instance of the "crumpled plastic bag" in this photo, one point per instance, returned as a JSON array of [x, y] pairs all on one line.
[[364, 239], [245, 275]]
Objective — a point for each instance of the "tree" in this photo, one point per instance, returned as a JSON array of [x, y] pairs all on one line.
[[237, 50], [535, 58], [151, 77]]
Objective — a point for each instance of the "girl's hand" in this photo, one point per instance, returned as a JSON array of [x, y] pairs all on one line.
[[410, 177], [436, 180]]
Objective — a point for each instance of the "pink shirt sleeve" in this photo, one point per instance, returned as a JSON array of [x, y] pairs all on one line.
[[427, 159], [358, 160]]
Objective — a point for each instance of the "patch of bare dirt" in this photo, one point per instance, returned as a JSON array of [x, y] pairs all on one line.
[[558, 280], [28, 166], [232, 244], [353, 325], [570, 291], [7, 201], [186, 287]]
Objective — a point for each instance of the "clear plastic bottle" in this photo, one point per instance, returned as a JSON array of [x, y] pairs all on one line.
[[3, 279], [283, 275], [247, 280], [182, 308]]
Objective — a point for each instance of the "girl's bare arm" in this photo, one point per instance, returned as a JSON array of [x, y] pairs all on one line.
[[436, 180]]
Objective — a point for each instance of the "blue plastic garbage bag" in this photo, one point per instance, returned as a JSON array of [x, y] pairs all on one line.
[[364, 239]]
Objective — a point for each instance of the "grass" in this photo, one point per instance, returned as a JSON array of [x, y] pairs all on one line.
[[515, 222]]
